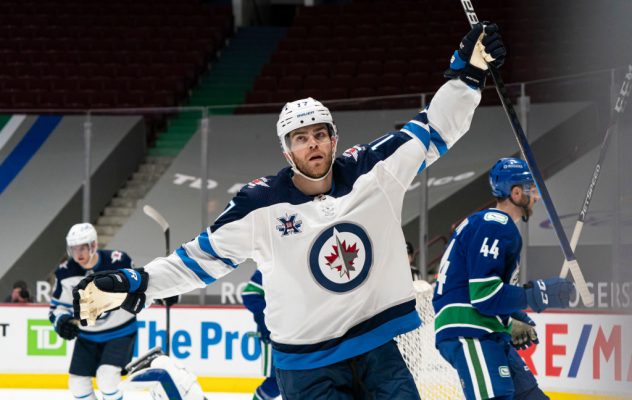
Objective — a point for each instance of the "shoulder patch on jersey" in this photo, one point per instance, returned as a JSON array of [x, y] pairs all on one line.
[[116, 256], [263, 181], [496, 217], [353, 152], [290, 224]]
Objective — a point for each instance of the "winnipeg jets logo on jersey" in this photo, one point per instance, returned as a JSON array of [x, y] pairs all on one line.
[[289, 224], [341, 257], [353, 152], [116, 256], [259, 182]]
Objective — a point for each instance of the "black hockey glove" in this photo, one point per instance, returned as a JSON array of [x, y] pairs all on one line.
[[469, 62], [552, 292], [66, 327], [131, 281], [523, 333]]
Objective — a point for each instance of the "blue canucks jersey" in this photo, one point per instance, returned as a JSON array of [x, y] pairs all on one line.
[[110, 325], [475, 292], [253, 294], [253, 297]]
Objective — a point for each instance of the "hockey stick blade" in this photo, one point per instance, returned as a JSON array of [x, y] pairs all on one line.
[[619, 108], [527, 153], [155, 215], [160, 220]]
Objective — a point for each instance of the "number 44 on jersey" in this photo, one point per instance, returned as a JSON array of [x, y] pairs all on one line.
[[486, 250]]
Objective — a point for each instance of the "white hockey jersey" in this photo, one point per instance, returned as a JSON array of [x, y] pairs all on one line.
[[334, 266]]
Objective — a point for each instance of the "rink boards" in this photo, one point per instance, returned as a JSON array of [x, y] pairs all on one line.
[[579, 353]]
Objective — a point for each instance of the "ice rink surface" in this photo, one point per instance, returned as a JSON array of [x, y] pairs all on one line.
[[57, 394]]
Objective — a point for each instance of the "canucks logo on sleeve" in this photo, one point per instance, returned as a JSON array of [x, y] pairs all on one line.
[[481, 260]]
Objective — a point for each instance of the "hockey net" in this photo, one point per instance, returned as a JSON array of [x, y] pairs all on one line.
[[435, 378]]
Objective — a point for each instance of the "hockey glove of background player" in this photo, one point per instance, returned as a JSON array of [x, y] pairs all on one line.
[[523, 334], [553, 292], [109, 290], [480, 46], [262, 329], [66, 328]]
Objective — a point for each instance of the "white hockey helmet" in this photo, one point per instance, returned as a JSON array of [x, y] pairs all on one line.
[[300, 113], [83, 233]]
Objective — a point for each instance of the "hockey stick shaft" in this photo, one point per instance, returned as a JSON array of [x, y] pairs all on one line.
[[619, 108], [164, 225], [525, 149]]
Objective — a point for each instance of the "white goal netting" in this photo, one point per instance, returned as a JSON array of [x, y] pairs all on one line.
[[435, 378]]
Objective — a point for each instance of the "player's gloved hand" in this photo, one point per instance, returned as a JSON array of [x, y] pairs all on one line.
[[523, 334], [109, 290], [482, 45], [553, 292], [66, 327]]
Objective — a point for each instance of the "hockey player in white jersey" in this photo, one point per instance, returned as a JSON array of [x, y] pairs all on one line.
[[101, 350], [326, 234]]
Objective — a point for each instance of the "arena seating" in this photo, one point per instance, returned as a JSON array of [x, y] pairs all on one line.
[[379, 48], [77, 54]]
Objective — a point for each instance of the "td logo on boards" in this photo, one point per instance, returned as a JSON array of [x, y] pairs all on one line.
[[42, 339]]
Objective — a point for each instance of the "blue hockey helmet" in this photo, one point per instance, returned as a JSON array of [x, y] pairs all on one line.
[[507, 173]]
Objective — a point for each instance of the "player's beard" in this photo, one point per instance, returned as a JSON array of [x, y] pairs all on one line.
[[527, 208], [315, 172]]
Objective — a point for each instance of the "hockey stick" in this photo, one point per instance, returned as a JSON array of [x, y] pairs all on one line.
[[525, 148], [619, 108], [156, 216]]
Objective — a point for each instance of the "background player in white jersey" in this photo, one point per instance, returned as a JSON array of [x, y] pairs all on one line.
[[104, 349], [326, 234], [254, 300], [477, 296]]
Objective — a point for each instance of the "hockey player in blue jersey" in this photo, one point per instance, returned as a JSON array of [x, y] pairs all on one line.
[[326, 234], [103, 350], [477, 293], [254, 300]]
